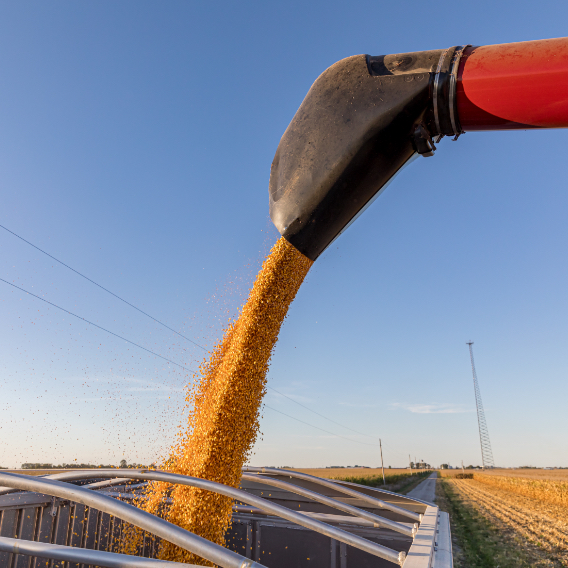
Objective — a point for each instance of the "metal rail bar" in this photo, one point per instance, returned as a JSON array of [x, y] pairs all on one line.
[[176, 535], [240, 495], [97, 485], [375, 519], [84, 555], [330, 502], [337, 487], [424, 545], [102, 484], [379, 503]]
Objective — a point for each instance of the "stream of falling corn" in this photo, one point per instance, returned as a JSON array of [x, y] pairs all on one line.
[[223, 423]]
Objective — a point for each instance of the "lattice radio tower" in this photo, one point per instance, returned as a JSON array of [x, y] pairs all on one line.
[[486, 453]]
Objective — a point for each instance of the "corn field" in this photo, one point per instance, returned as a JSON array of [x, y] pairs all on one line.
[[549, 491]]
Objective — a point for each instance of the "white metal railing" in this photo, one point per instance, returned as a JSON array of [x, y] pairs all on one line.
[[55, 485]]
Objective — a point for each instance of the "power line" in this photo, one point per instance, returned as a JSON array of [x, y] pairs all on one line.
[[318, 428], [326, 431], [157, 321], [326, 418], [335, 422], [103, 288], [192, 370], [98, 326]]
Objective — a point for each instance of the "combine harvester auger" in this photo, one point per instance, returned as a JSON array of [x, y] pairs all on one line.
[[366, 116], [363, 119]]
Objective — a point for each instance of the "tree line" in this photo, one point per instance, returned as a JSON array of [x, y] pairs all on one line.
[[74, 465]]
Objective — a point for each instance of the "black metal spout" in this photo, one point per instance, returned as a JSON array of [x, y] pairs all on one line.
[[360, 123]]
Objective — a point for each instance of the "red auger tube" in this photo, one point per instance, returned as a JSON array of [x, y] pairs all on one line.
[[514, 86]]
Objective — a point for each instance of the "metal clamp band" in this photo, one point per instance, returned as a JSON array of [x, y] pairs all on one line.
[[436, 87], [456, 127]]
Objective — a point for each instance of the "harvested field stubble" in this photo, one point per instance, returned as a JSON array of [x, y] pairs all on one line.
[[225, 402], [523, 473], [548, 490], [550, 486], [531, 473], [543, 527]]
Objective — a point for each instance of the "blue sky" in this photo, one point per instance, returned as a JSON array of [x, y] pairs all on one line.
[[135, 145]]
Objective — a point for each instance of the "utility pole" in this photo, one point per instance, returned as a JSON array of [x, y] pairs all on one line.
[[463, 470], [382, 464], [410, 464], [486, 453]]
